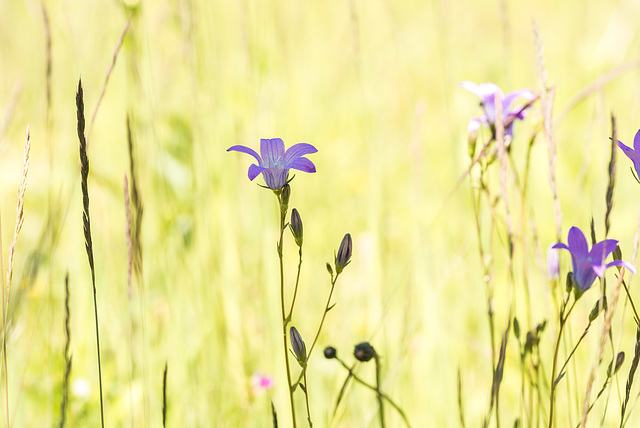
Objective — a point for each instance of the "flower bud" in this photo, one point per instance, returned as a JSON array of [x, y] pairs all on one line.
[[284, 198], [330, 352], [344, 253], [364, 352], [540, 327], [472, 136], [531, 342], [329, 269], [296, 227], [619, 362], [569, 282], [516, 328], [299, 348], [597, 308]]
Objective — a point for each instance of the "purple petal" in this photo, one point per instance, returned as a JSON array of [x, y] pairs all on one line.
[[254, 170], [623, 264], [297, 151], [516, 112], [584, 274], [599, 269], [601, 250], [636, 142], [474, 125], [489, 105], [247, 150], [514, 95], [578, 243], [483, 90], [631, 154], [275, 178], [302, 164], [561, 245], [272, 150]]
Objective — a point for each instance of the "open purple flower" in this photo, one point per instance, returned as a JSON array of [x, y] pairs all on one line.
[[633, 154], [487, 93], [275, 162], [589, 264]]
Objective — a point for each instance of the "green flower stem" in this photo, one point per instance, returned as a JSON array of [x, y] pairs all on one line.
[[377, 391], [295, 290], [343, 388], [306, 395], [324, 315], [604, 386], [563, 321], [334, 279], [283, 215], [584, 333]]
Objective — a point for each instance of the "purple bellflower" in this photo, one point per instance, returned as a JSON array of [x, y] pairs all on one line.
[[633, 154], [487, 93], [276, 162], [589, 264]]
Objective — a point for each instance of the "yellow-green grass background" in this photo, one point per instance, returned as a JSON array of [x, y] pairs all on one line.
[[374, 86]]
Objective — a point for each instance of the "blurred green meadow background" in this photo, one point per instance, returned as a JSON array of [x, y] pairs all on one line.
[[374, 86]]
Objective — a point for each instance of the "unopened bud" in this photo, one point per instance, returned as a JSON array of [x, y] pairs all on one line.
[[299, 348], [284, 198], [344, 253], [329, 269], [296, 227], [597, 308], [619, 362], [569, 283], [472, 136], [330, 352], [516, 328], [364, 352]]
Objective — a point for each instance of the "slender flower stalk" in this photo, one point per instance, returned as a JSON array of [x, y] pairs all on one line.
[[297, 231], [563, 320], [352, 374], [285, 321], [327, 308], [379, 391]]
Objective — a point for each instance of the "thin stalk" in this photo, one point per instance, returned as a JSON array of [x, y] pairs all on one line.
[[343, 388], [324, 314], [327, 308], [306, 395], [373, 388], [584, 333], [563, 320], [295, 290], [164, 394], [4, 330], [604, 386], [283, 215], [378, 392], [633, 306]]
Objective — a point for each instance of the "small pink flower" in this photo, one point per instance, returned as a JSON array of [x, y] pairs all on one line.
[[261, 383]]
